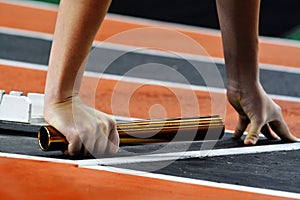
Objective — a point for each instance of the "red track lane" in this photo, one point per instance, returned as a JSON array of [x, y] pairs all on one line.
[[39, 20], [175, 101], [26, 179]]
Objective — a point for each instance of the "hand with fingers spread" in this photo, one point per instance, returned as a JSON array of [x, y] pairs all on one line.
[[88, 131], [260, 111], [239, 28]]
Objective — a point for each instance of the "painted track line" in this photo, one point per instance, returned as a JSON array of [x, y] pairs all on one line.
[[26, 33], [270, 52], [191, 154], [33, 4], [198, 182], [120, 171], [37, 158], [19, 64], [127, 48], [289, 108], [149, 22], [255, 188]]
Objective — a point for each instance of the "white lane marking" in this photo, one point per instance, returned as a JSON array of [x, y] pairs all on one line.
[[227, 186], [179, 85], [155, 23], [37, 158], [280, 68], [32, 4], [114, 46], [127, 48], [26, 33], [10, 63], [195, 29], [280, 41], [156, 82], [191, 154], [284, 98], [158, 176], [19, 64]]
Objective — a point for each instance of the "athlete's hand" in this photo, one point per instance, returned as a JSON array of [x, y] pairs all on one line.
[[256, 108], [87, 130]]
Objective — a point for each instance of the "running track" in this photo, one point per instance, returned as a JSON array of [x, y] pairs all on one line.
[[278, 54]]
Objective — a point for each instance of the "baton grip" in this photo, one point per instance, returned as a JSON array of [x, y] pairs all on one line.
[[148, 131]]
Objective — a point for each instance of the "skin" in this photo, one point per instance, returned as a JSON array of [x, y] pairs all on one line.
[[239, 28], [95, 132]]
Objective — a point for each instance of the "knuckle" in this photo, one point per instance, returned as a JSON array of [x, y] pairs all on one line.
[[278, 109], [104, 127], [111, 122], [107, 125]]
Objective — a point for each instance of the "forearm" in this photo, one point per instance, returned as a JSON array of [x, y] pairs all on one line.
[[239, 27], [77, 24]]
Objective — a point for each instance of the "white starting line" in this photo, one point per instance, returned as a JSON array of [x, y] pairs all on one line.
[[191, 154], [161, 176]]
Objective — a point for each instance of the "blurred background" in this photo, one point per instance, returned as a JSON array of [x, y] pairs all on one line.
[[279, 18]]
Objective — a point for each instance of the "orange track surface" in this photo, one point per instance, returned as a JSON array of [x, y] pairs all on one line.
[[25, 179], [44, 21], [29, 80], [37, 180], [34, 19]]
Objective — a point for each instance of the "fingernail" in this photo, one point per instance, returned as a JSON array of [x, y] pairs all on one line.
[[250, 141]]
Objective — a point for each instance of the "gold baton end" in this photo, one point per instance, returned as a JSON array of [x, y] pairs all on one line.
[[51, 139]]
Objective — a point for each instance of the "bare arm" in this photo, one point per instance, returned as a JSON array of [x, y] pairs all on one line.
[[77, 23], [93, 132], [239, 27]]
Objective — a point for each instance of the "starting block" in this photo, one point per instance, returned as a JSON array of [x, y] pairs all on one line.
[[21, 113], [18, 108]]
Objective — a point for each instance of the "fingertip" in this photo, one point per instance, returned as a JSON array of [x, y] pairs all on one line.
[[292, 138], [74, 150], [251, 138], [250, 141], [281, 128]]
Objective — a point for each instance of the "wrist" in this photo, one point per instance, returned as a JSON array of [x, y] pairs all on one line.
[[52, 106], [242, 84], [236, 90], [56, 92], [52, 98]]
